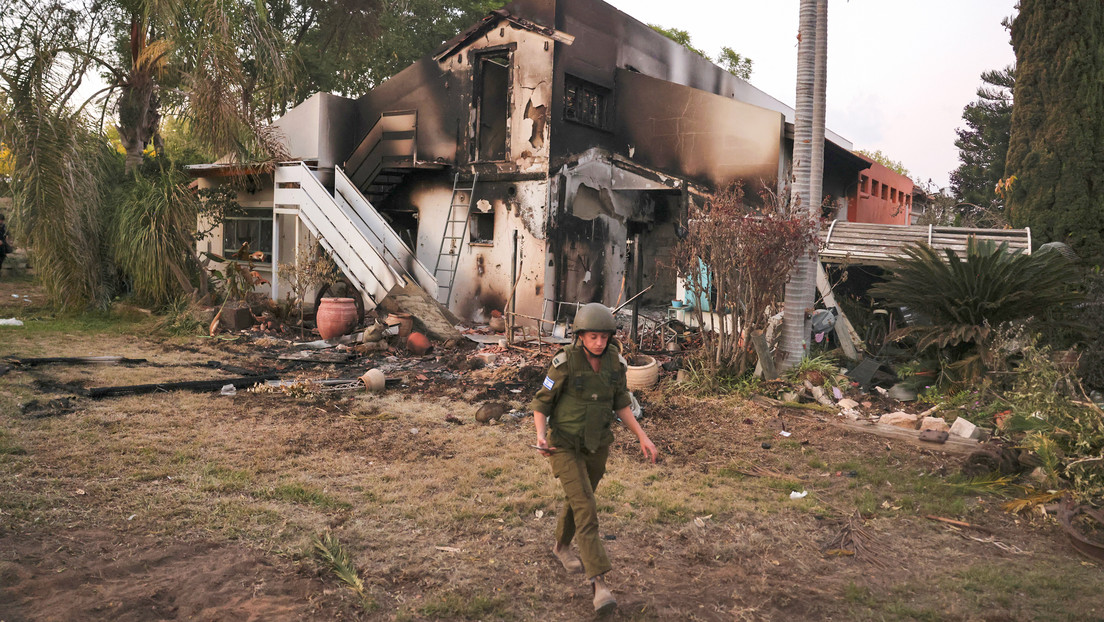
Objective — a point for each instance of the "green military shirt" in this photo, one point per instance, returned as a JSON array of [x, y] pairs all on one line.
[[580, 402]]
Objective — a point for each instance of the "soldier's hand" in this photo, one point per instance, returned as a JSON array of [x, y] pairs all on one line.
[[648, 448], [544, 447]]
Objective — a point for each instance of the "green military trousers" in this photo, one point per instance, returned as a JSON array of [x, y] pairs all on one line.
[[579, 474]]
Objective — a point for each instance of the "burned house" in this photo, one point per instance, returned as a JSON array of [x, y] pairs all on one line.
[[546, 155]]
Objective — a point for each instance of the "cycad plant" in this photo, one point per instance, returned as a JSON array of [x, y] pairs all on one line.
[[968, 297]]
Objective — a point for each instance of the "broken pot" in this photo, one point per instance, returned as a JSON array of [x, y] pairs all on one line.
[[374, 380]]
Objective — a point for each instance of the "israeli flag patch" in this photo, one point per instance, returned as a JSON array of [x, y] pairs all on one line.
[[549, 383]]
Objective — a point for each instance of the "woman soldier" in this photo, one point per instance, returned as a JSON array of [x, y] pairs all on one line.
[[573, 411]]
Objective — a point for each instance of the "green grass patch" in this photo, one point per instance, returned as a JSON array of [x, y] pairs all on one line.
[[91, 322], [492, 473], [453, 605], [217, 478], [9, 446], [304, 495]]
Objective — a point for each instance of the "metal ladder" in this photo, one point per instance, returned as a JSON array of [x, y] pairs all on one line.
[[456, 229]]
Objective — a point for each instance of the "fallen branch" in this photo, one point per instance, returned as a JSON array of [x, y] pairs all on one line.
[[957, 523]]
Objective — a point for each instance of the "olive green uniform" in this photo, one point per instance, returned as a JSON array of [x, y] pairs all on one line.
[[580, 405]]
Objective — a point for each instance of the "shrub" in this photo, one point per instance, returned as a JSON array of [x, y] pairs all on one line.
[[967, 298], [742, 257]]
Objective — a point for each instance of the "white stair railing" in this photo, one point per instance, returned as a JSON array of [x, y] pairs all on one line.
[[382, 237], [342, 232]]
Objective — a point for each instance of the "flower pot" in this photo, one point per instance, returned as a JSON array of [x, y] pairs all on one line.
[[336, 317], [417, 343], [643, 372]]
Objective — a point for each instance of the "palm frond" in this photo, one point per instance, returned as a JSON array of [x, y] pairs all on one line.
[[337, 559]]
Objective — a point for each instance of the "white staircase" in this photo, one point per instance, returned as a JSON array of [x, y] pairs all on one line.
[[360, 241]]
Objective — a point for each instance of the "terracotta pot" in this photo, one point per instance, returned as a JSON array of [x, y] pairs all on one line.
[[374, 380], [417, 343], [404, 321], [336, 317], [643, 372]]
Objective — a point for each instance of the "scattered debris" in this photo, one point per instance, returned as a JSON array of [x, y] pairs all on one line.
[[934, 423], [899, 419], [799, 495], [934, 436], [491, 411], [1068, 514], [854, 540], [964, 429], [191, 385], [11, 321]]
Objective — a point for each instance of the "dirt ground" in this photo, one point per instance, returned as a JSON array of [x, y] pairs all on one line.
[[188, 505]]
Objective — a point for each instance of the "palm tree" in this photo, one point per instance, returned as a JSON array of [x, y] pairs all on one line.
[[808, 170]]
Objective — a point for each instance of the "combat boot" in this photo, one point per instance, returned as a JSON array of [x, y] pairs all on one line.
[[570, 561], [604, 602]]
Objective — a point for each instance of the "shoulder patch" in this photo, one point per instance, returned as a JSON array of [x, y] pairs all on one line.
[[549, 383], [559, 359]]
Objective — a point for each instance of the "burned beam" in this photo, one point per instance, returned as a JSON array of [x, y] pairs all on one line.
[[75, 360], [191, 385]]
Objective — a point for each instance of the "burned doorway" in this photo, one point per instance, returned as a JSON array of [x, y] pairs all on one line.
[[491, 100]]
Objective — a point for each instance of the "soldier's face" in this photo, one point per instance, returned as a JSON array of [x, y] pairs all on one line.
[[595, 343]]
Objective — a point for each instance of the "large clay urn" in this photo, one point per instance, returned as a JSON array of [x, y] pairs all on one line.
[[336, 317]]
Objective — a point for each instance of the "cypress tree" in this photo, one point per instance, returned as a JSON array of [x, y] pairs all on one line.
[[1056, 147]]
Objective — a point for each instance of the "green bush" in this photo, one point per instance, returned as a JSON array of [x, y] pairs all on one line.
[[967, 298]]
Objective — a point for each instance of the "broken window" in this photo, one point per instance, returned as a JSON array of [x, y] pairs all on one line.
[[249, 225], [585, 102], [864, 184], [492, 104], [481, 227], [874, 188]]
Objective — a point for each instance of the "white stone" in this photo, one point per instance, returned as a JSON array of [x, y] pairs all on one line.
[[934, 423], [851, 414], [899, 419], [965, 429], [847, 404]]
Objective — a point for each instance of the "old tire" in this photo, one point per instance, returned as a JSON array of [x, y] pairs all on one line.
[[643, 372]]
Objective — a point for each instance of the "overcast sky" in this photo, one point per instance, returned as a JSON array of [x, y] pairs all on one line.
[[899, 71]]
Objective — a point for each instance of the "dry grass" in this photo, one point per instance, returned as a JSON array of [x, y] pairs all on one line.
[[446, 521]]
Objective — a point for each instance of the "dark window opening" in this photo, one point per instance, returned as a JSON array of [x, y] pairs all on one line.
[[481, 228], [492, 106], [250, 225], [585, 102]]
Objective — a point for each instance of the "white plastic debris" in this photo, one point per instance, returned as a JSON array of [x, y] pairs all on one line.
[[798, 495], [785, 433], [11, 322], [229, 389]]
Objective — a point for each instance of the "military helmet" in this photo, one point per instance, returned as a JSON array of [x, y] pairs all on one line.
[[596, 317]]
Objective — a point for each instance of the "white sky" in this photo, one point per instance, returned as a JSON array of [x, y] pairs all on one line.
[[899, 71]]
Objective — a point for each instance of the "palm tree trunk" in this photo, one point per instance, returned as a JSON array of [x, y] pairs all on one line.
[[808, 171]]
